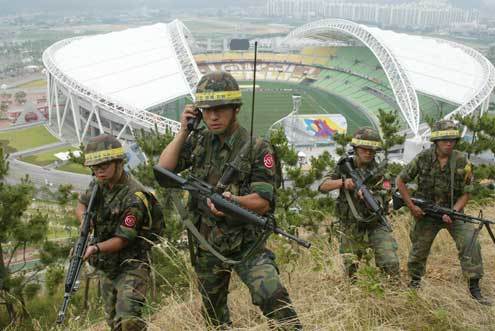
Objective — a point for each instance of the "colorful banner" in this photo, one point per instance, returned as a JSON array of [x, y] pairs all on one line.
[[313, 129]]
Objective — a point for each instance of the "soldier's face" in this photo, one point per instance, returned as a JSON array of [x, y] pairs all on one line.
[[365, 155], [104, 172], [446, 146], [219, 119]]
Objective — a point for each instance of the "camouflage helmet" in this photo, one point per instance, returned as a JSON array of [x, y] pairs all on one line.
[[445, 129], [366, 137], [103, 148], [217, 89]]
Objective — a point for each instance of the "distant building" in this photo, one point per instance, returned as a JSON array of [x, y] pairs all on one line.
[[422, 14]]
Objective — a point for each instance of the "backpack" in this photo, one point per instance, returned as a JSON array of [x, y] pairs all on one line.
[[153, 230]]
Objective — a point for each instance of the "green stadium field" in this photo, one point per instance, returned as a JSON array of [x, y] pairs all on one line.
[[22, 139], [274, 100]]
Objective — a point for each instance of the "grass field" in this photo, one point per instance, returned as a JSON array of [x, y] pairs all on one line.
[[273, 105], [75, 167], [19, 140], [40, 83], [47, 157]]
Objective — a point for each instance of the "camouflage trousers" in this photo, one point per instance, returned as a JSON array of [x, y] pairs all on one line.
[[423, 233], [261, 276], [124, 298], [357, 238]]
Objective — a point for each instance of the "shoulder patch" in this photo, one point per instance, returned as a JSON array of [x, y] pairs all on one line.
[[129, 221], [268, 161]]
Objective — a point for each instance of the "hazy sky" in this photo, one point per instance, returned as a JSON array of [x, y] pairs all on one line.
[[36, 5]]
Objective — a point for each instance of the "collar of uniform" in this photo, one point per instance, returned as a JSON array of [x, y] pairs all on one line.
[[121, 183], [230, 140]]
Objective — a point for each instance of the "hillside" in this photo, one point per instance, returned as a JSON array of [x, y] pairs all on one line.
[[326, 301]]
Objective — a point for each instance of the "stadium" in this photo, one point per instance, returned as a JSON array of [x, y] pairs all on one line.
[[142, 77]]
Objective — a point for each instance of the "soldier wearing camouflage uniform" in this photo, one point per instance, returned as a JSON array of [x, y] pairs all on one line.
[[207, 153], [117, 252], [444, 176], [361, 230]]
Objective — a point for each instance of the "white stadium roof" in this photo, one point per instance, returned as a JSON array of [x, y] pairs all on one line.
[[137, 67], [439, 68]]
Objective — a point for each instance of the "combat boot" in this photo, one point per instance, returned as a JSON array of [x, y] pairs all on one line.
[[415, 283], [474, 289]]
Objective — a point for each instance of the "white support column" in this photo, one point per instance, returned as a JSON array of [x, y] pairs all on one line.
[[55, 89], [97, 114], [88, 122], [123, 129], [49, 96], [66, 108], [75, 118]]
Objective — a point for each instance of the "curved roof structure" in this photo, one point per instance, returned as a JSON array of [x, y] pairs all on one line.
[[130, 71], [439, 68]]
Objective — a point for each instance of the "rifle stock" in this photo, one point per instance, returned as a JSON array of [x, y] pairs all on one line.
[[202, 190], [76, 262]]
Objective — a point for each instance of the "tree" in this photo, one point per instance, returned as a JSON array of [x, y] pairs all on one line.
[[299, 204], [18, 232], [152, 144], [341, 140], [389, 126], [20, 97]]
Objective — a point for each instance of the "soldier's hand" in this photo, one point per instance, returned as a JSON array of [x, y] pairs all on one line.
[[90, 250], [417, 212], [360, 194], [446, 219], [214, 210], [189, 112], [349, 184]]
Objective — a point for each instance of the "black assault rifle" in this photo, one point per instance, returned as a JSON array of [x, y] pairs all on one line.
[[373, 205], [202, 190], [76, 262], [436, 212]]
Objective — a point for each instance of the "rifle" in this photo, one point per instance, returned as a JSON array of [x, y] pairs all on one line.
[[373, 205], [202, 190], [436, 212], [76, 261]]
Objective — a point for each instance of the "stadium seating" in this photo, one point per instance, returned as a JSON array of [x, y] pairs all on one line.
[[353, 73]]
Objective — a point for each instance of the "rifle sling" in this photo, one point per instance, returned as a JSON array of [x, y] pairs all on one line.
[[452, 162], [354, 211], [191, 228]]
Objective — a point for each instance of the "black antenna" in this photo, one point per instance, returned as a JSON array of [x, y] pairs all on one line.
[[252, 104]]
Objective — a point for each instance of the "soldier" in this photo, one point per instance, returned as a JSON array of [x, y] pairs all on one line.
[[359, 228], [118, 253], [207, 153], [444, 177]]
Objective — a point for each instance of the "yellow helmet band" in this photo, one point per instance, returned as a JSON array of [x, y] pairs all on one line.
[[221, 95], [445, 133], [109, 153], [370, 143]]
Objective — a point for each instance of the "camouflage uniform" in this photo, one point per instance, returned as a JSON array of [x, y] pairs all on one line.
[[207, 158], [119, 213], [434, 184], [359, 234]]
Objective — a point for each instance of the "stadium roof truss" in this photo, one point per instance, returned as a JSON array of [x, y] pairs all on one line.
[[134, 90], [412, 63]]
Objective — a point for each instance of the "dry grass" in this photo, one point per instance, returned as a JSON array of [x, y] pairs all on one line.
[[326, 301]]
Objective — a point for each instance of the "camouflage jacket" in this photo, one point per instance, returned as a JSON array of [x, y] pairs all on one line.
[[119, 213], [375, 183], [434, 183], [207, 158]]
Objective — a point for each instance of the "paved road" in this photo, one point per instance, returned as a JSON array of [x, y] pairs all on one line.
[[43, 176]]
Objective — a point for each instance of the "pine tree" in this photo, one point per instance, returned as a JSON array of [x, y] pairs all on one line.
[[18, 233], [389, 126]]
